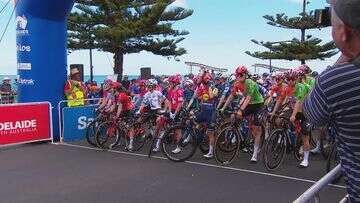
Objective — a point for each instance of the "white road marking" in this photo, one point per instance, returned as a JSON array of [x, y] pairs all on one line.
[[204, 164]]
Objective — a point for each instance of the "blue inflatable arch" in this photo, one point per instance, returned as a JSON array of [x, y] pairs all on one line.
[[41, 51]]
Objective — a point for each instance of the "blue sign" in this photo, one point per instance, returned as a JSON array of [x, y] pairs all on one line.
[[41, 40], [75, 122]]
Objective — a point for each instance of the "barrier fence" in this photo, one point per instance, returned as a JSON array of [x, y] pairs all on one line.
[[314, 191], [76, 119], [25, 123]]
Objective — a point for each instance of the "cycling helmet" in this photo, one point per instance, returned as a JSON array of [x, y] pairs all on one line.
[[206, 77], [175, 79], [305, 69], [152, 82], [188, 82], [142, 82], [265, 75], [115, 85], [279, 76], [241, 70], [107, 84], [291, 75]]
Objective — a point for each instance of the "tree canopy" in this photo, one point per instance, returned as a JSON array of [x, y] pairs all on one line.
[[127, 26]]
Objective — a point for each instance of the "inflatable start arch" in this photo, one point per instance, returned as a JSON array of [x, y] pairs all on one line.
[[41, 51]]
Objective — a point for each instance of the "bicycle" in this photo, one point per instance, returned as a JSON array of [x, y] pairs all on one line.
[[188, 135], [281, 141], [92, 127], [232, 138]]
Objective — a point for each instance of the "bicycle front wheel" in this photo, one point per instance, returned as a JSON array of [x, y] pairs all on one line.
[[179, 143], [227, 145], [107, 135], [275, 149]]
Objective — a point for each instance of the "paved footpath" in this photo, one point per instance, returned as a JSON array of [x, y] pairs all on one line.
[[76, 173]]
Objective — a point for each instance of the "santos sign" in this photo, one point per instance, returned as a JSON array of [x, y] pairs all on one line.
[[75, 122]]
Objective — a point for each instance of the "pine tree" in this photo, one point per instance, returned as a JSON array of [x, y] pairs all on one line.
[[127, 26], [306, 48]]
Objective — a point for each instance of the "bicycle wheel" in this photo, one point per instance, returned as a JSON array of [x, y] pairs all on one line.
[[182, 138], [142, 133], [227, 145], [90, 133], [108, 135], [204, 144], [275, 149], [298, 153]]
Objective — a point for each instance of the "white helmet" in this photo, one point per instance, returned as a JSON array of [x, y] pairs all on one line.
[[152, 82], [188, 82]]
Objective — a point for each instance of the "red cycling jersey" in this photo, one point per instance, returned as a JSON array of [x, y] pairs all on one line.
[[279, 90], [176, 97], [125, 101]]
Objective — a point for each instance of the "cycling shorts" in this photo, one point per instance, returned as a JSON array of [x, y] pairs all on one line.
[[254, 110]]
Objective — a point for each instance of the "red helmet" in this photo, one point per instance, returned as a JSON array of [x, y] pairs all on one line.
[[176, 79], [304, 69], [206, 77], [279, 76], [291, 75], [115, 85], [142, 82], [241, 70]]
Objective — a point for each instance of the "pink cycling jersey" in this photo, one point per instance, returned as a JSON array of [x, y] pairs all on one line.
[[176, 97]]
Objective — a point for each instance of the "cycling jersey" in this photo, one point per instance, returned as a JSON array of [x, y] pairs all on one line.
[[176, 97], [297, 92], [125, 101], [153, 99], [310, 81], [248, 88], [279, 90], [204, 91]]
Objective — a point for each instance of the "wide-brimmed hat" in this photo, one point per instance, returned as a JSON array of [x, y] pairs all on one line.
[[74, 71], [6, 78]]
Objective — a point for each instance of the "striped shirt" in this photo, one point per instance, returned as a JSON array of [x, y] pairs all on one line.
[[335, 99]]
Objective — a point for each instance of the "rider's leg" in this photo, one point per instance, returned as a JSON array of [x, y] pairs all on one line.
[[256, 132], [158, 132]]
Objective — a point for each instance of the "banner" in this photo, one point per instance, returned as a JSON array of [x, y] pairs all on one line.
[[75, 122], [24, 123]]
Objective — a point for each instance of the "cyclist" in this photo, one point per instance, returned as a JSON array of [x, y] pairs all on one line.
[[125, 109], [152, 101], [207, 115], [107, 103], [251, 105], [174, 103], [278, 91], [295, 93]]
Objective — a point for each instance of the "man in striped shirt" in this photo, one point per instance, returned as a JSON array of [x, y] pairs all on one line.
[[336, 95]]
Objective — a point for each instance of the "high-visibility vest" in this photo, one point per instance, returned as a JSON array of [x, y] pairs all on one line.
[[78, 100]]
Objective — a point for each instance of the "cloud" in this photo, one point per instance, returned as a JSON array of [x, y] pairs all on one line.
[[296, 1], [180, 3]]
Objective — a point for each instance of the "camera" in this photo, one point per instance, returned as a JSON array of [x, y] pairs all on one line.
[[323, 17]]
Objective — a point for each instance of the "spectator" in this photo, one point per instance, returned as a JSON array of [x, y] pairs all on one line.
[[6, 92], [125, 82], [94, 92], [75, 90], [335, 98]]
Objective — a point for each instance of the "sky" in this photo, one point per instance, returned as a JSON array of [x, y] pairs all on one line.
[[220, 33]]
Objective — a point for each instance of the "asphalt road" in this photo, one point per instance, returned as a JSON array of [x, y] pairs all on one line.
[[75, 173]]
